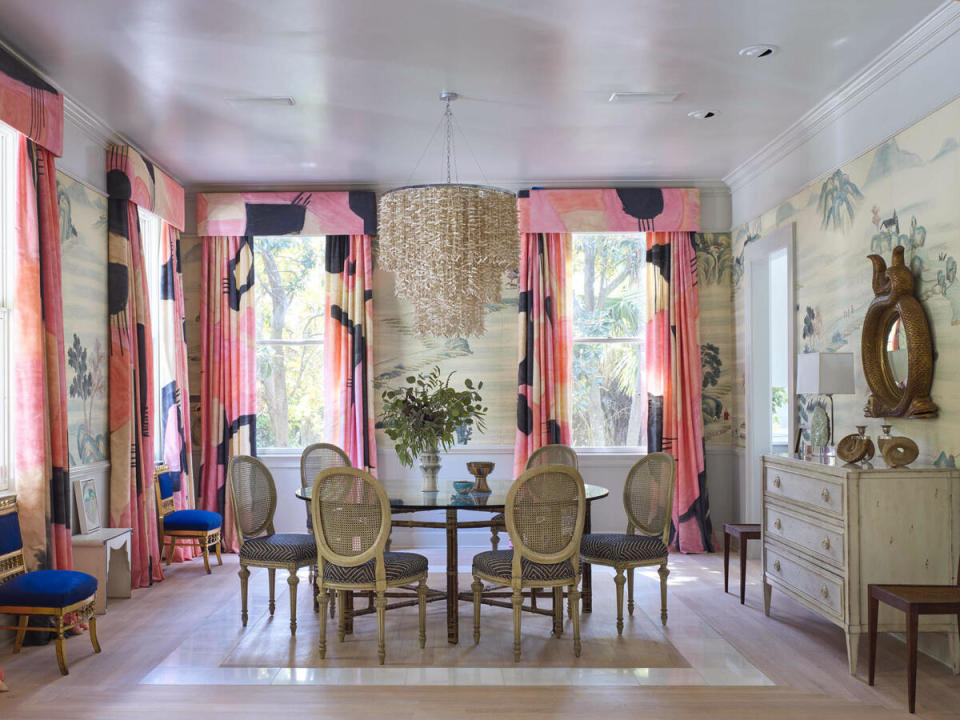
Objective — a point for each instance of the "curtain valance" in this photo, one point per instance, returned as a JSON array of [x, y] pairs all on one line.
[[287, 213], [29, 104], [609, 210], [130, 176]]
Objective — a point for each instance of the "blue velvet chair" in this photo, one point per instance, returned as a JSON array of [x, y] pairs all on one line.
[[64, 595], [199, 528]]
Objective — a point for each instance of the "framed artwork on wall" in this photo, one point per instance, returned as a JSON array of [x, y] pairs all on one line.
[[88, 505]]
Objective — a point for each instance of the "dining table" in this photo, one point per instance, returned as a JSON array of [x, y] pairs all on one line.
[[406, 496]]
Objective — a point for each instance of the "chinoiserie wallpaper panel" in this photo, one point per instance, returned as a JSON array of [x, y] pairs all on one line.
[[902, 192], [83, 239]]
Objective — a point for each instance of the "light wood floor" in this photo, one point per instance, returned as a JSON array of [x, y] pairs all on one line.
[[803, 655]]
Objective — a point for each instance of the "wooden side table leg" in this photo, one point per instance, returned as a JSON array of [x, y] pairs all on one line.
[[743, 568], [912, 622], [726, 561], [586, 575]]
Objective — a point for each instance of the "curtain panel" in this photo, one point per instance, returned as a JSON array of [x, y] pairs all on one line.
[[132, 499], [228, 403], [545, 374], [674, 381], [29, 104], [174, 417], [348, 353], [42, 461]]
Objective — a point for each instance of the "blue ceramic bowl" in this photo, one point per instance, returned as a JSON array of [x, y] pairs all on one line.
[[463, 486]]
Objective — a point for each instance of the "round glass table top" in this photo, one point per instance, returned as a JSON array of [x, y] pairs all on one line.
[[408, 495]]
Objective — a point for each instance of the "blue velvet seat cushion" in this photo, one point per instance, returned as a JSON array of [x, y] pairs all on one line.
[[47, 588], [192, 520]]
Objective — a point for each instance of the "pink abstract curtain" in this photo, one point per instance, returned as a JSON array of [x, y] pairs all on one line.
[[228, 405], [348, 355], [544, 409], [174, 418], [42, 462], [674, 381], [132, 499]]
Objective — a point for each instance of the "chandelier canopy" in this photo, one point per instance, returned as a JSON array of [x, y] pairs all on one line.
[[449, 245]]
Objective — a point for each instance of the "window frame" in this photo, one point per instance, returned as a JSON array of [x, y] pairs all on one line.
[[278, 450], [151, 245], [594, 340], [9, 144]]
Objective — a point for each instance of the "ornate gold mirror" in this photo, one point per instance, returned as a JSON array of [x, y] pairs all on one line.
[[896, 346]]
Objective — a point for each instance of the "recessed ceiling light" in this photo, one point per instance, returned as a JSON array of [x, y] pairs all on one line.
[[702, 114], [762, 50], [284, 100], [643, 97]]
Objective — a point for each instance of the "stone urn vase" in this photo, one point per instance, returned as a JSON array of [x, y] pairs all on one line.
[[429, 467]]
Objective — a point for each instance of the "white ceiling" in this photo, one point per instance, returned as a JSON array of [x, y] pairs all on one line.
[[535, 76]]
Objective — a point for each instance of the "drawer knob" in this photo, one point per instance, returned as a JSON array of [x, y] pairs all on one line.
[[825, 592], [777, 524], [776, 481], [825, 543], [825, 494], [776, 565]]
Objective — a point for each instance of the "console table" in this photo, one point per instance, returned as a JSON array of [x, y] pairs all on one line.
[[105, 554], [830, 530]]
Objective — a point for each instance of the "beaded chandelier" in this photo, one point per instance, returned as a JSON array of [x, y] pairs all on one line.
[[449, 245]]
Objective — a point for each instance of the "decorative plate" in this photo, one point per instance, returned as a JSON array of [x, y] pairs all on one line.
[[819, 427]]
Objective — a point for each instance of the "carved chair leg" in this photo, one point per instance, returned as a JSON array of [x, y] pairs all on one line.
[[342, 621], [272, 579], [61, 654], [293, 581], [477, 588], [422, 605], [333, 603], [664, 572], [575, 593], [21, 632], [219, 556], [619, 580], [630, 591], [244, 581], [206, 557], [93, 633], [170, 548], [324, 598], [381, 605], [517, 612]]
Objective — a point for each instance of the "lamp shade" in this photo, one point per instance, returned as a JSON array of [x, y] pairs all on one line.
[[825, 374]]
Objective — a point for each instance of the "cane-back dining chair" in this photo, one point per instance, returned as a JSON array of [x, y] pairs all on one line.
[[547, 455], [313, 459], [254, 497], [545, 511], [66, 596], [195, 528], [351, 524], [648, 502]]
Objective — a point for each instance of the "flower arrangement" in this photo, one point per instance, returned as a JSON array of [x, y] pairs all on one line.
[[424, 414]]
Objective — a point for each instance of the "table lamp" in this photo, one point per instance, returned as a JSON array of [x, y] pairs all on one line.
[[822, 373]]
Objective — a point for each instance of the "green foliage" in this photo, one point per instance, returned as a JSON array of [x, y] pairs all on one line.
[[714, 257], [710, 357], [82, 384], [778, 401], [425, 413]]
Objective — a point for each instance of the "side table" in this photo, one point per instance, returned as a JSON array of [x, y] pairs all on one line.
[[105, 554]]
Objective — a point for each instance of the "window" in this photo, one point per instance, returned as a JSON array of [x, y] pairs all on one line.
[[8, 199], [150, 242], [609, 313], [290, 310]]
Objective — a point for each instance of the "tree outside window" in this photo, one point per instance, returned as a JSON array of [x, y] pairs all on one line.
[[290, 317], [608, 352]]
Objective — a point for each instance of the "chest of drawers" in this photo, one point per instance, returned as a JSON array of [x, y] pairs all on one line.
[[830, 530]]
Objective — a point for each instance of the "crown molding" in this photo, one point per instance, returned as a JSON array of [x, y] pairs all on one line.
[[924, 37]]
